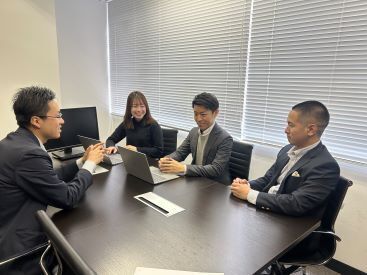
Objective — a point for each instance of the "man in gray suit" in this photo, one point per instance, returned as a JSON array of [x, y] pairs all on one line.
[[29, 183], [209, 144], [304, 173]]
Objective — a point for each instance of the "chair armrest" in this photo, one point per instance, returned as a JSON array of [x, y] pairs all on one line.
[[329, 233]]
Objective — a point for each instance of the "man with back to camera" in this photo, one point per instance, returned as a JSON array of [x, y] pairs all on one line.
[[29, 183], [304, 173], [209, 144]]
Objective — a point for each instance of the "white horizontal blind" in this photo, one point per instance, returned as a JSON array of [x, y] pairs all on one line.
[[173, 50], [303, 50], [134, 52], [347, 134]]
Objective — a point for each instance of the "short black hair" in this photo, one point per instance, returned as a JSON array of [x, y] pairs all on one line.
[[206, 100], [316, 110], [31, 101]]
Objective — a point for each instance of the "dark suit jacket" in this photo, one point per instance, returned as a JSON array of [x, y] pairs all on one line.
[[215, 158], [29, 183], [318, 175]]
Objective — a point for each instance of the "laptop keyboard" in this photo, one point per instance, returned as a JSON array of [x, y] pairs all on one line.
[[158, 178]]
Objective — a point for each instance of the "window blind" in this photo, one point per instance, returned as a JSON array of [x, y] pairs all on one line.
[[173, 50], [303, 50]]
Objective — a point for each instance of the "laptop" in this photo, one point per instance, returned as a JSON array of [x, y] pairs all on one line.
[[136, 164], [112, 159]]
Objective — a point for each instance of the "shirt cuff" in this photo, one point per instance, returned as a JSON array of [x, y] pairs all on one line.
[[184, 172], [252, 196], [79, 163], [90, 166]]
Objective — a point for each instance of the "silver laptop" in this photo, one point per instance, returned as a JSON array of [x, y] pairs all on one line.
[[136, 164], [112, 159]]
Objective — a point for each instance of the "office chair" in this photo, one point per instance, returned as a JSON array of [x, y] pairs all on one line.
[[34, 253], [68, 260], [240, 160], [320, 246], [169, 141]]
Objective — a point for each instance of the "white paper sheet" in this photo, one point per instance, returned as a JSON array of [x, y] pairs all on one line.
[[157, 271], [159, 204]]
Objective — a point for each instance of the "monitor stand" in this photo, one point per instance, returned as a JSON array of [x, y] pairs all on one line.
[[68, 153]]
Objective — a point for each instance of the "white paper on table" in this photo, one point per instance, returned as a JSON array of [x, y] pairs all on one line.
[[161, 205], [157, 271]]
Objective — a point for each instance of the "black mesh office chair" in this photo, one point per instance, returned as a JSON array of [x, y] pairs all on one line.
[[320, 246], [68, 260], [240, 160], [169, 141]]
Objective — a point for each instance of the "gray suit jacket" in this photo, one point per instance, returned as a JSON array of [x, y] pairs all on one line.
[[29, 183], [318, 175], [215, 158]]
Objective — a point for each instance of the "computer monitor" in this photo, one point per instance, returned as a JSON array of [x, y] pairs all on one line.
[[78, 121]]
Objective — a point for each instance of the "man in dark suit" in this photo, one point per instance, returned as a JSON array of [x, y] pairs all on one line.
[[209, 144], [304, 173], [28, 181]]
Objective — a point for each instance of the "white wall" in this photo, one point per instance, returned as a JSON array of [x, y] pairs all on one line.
[[82, 42], [28, 52]]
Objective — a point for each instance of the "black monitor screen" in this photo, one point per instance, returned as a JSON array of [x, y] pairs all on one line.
[[78, 121]]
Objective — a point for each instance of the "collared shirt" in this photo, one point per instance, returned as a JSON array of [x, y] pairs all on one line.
[[294, 157], [203, 137], [41, 144], [87, 165]]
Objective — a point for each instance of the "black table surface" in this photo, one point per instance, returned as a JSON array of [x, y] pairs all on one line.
[[115, 233]]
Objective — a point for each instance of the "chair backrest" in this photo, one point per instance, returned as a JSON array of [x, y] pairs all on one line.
[[240, 160], [334, 204], [62, 247], [169, 141]]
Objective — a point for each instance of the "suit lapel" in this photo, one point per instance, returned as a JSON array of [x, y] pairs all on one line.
[[194, 144], [281, 162], [304, 160]]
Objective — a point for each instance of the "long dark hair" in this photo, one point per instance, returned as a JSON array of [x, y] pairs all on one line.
[[128, 119]]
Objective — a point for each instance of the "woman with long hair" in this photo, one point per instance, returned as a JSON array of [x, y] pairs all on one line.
[[142, 131]]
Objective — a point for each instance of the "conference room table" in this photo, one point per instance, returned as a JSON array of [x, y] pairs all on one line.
[[115, 233]]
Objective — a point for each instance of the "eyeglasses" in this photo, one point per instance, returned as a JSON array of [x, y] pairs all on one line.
[[58, 116]]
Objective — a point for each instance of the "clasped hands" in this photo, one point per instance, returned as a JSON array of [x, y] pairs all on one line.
[[169, 165], [240, 188]]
